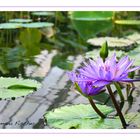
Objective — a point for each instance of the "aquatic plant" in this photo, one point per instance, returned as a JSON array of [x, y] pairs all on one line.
[[12, 88], [96, 74]]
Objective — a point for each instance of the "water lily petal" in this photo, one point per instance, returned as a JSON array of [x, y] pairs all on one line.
[[101, 83], [133, 69], [130, 80], [122, 69], [94, 91], [122, 61]]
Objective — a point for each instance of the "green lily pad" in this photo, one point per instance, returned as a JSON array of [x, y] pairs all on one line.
[[10, 25], [134, 118], [128, 22], [77, 116], [42, 13], [84, 117], [37, 25], [20, 20], [17, 87], [135, 37], [112, 42]]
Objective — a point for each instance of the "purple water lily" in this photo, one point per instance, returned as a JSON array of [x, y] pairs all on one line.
[[98, 73], [87, 87], [95, 75]]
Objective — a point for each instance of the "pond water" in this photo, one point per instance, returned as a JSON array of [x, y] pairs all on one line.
[[54, 41], [28, 112], [56, 91]]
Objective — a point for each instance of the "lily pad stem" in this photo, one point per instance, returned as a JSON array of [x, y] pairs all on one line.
[[117, 107], [95, 108]]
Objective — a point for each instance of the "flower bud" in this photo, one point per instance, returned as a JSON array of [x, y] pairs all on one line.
[[104, 51]]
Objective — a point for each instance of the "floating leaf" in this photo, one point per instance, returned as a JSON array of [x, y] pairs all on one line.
[[10, 25], [112, 42], [43, 13], [83, 117], [134, 118], [16, 87], [78, 116], [37, 25], [135, 37], [20, 20], [128, 22]]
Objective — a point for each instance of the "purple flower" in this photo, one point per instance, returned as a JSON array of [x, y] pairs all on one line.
[[94, 75], [102, 73], [86, 87]]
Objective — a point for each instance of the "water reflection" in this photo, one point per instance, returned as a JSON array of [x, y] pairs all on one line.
[[54, 95]]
